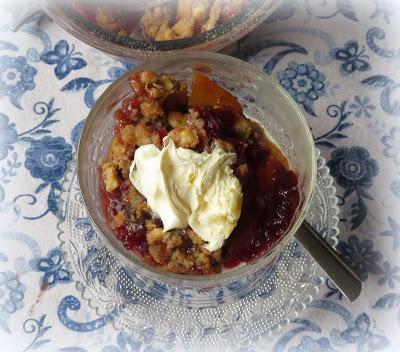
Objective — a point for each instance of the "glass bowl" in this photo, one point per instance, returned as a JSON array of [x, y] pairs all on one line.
[[125, 47], [262, 99]]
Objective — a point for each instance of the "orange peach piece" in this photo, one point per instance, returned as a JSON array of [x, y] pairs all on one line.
[[206, 92]]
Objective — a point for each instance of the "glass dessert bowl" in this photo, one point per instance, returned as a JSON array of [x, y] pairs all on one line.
[[282, 173], [173, 25]]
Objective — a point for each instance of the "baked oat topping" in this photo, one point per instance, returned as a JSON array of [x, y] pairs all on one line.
[[168, 21]]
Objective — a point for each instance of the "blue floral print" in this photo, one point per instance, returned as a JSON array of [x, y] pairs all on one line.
[[125, 343], [344, 7], [352, 58], [90, 86], [53, 267], [395, 188], [39, 329], [308, 344], [361, 106], [360, 256], [97, 265], [393, 232], [337, 133], [76, 132], [353, 168], [11, 297], [65, 59], [48, 157], [304, 83], [86, 227], [389, 301], [16, 77], [390, 275], [385, 8], [386, 84], [114, 72], [362, 337], [392, 145], [8, 136], [332, 290]]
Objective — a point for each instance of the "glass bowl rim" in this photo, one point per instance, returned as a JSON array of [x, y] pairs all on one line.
[[304, 205], [118, 45]]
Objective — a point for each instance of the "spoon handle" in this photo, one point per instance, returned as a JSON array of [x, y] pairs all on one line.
[[330, 262]]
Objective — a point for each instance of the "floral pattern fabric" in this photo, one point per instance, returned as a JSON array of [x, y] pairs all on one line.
[[16, 77], [304, 83], [339, 60]]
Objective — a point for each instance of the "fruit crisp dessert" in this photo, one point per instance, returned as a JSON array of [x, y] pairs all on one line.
[[170, 20], [190, 184]]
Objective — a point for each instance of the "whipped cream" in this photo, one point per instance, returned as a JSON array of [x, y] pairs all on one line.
[[184, 188]]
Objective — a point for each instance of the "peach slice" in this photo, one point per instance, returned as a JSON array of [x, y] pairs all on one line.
[[206, 92]]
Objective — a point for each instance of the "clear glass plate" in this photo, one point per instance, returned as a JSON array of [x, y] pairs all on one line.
[[199, 319]]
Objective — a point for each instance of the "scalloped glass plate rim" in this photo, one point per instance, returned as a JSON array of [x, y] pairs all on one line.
[[298, 302]]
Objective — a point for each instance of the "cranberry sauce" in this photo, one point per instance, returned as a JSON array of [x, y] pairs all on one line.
[[270, 199]]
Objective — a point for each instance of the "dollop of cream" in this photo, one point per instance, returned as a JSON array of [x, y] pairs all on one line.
[[184, 188]]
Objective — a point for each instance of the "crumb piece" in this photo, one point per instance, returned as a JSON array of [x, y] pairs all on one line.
[[243, 128], [243, 171], [150, 224], [213, 18], [118, 220], [200, 11], [180, 262], [128, 135], [177, 119], [226, 146], [165, 33], [194, 237], [157, 247], [172, 240], [119, 150], [151, 110], [156, 18], [110, 176], [148, 77], [184, 28], [154, 236], [142, 135], [185, 137], [104, 18]]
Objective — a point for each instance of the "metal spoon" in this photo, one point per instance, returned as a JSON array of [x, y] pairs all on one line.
[[338, 271]]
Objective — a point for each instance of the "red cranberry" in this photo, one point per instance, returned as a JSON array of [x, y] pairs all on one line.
[[133, 237], [256, 153], [130, 103], [211, 123], [160, 133], [231, 263], [226, 116]]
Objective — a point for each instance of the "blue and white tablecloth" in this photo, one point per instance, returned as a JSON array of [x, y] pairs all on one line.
[[340, 60]]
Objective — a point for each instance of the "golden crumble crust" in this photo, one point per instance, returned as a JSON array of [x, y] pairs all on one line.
[[185, 137]]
